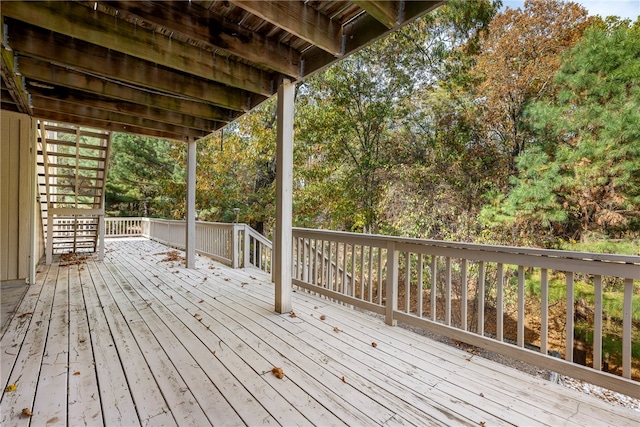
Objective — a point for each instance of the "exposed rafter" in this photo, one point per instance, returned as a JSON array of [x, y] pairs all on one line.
[[300, 20], [385, 12]]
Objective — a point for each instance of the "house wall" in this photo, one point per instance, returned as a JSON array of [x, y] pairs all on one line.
[[16, 177]]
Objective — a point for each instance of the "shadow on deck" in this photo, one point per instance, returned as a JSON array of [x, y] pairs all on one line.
[[139, 340]]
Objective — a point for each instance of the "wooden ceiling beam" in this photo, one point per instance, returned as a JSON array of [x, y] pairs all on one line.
[[49, 108], [41, 96], [58, 117], [299, 19], [115, 66], [385, 12], [12, 81], [82, 23], [56, 76], [199, 24]]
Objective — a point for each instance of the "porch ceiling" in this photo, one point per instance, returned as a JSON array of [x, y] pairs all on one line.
[[176, 69]]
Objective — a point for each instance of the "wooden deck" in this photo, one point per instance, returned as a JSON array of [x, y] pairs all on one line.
[[135, 340]]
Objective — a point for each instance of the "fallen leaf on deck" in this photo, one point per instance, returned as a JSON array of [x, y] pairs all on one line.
[[323, 317], [27, 412], [213, 352], [26, 314], [315, 308], [292, 314], [374, 345], [278, 373], [201, 301], [344, 380], [76, 373], [481, 423], [481, 394], [226, 279], [335, 329], [10, 388]]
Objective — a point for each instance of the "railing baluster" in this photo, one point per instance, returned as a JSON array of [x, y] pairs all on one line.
[[626, 328], [570, 318], [353, 270], [345, 287], [370, 270], [434, 285], [380, 276], [362, 249], [597, 322], [544, 311], [447, 292], [481, 274], [407, 282], [419, 286], [464, 297], [500, 303], [520, 306]]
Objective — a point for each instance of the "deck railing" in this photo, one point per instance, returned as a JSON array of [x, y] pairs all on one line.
[[554, 309], [496, 297], [235, 245]]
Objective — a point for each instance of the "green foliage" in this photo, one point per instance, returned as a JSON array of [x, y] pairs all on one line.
[[583, 176], [142, 177]]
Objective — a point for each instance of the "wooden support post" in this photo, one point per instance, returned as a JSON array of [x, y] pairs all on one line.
[[101, 232], [283, 250], [190, 237]]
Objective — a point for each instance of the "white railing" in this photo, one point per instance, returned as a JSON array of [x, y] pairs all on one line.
[[123, 227], [481, 295], [235, 245], [496, 297]]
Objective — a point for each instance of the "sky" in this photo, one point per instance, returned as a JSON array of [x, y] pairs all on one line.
[[623, 8]]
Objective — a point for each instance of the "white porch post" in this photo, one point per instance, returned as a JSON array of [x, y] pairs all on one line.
[[190, 238], [284, 202]]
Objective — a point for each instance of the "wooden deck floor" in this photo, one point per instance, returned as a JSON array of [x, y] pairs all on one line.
[[135, 340]]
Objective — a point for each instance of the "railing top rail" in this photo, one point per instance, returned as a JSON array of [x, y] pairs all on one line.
[[381, 240], [259, 237]]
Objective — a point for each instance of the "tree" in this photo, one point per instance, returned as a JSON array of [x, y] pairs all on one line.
[[584, 174], [518, 60], [140, 173]]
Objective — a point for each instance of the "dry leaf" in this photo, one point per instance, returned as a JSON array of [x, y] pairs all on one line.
[[482, 423], [315, 308], [76, 373], [481, 394], [27, 412], [374, 345], [344, 380], [278, 373], [201, 301], [10, 388], [323, 317], [214, 352], [335, 329], [292, 314]]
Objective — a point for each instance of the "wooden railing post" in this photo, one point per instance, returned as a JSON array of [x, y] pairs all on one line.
[[246, 240], [392, 283], [235, 244]]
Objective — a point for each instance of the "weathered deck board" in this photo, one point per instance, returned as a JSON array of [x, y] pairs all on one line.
[[141, 334]]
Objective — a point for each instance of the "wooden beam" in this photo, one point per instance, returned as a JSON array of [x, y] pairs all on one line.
[[56, 105], [300, 20], [88, 121], [56, 76], [385, 12], [115, 66], [200, 24], [83, 23], [41, 97], [11, 80]]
